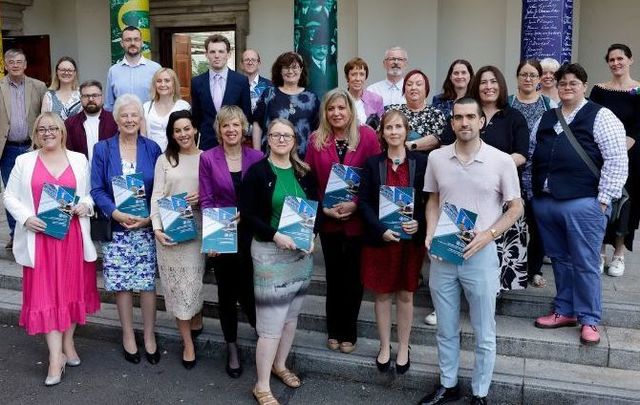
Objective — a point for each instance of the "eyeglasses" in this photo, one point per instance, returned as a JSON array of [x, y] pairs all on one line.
[[129, 40], [572, 84], [528, 76], [251, 60], [89, 96], [13, 62], [44, 130], [67, 71], [293, 68], [276, 136], [395, 59]]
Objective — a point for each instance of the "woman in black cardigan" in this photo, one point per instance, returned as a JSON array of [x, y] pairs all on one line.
[[281, 271], [391, 261]]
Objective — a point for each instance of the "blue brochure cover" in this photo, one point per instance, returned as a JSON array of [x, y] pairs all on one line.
[[177, 219], [219, 230], [297, 220], [129, 194], [342, 186], [56, 203], [396, 207], [453, 233]]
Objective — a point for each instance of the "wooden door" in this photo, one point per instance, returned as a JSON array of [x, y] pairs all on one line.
[[181, 46]]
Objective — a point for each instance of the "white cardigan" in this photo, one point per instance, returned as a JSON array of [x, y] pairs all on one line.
[[18, 200]]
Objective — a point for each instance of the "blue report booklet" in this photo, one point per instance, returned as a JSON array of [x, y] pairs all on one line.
[[453, 233], [219, 230], [56, 203], [297, 220], [177, 219], [395, 207], [342, 186], [129, 194]]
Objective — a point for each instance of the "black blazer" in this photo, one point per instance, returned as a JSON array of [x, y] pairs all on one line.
[[374, 175], [236, 92], [256, 194]]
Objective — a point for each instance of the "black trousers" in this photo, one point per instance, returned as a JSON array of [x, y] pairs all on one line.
[[344, 288], [234, 275], [535, 251]]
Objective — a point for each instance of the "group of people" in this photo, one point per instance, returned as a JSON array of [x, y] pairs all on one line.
[[249, 142]]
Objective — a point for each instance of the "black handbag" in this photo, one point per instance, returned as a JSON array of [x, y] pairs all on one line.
[[616, 205], [101, 229]]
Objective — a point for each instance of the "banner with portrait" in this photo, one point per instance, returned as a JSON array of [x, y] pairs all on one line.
[[315, 38], [123, 14]]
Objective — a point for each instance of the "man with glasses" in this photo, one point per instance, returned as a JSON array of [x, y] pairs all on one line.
[[216, 87], [93, 124], [133, 73], [390, 89], [251, 68], [20, 103]]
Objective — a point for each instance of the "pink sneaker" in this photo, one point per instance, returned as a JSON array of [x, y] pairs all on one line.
[[555, 320], [589, 335]]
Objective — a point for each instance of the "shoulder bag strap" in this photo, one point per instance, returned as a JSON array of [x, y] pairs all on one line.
[[576, 145]]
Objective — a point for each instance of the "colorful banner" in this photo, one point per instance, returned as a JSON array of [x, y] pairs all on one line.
[[123, 14], [315, 37], [547, 28]]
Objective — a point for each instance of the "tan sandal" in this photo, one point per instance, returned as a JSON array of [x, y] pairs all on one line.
[[287, 377], [347, 347], [264, 397], [333, 344]]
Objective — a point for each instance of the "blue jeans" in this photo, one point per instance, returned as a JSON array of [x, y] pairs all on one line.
[[572, 233], [478, 277], [7, 161]]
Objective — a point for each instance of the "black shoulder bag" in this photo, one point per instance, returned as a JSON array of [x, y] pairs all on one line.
[[616, 205]]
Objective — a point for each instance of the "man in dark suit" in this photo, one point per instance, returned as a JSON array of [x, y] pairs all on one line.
[[215, 88], [251, 68], [323, 75], [93, 124]]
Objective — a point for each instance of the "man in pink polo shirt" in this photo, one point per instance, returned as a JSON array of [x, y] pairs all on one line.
[[477, 177]]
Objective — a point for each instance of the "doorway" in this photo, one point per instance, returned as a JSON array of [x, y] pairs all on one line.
[[183, 50]]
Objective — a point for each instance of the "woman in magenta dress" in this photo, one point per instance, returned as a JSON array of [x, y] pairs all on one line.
[[391, 262], [59, 278]]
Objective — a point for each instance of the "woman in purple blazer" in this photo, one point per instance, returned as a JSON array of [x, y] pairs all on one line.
[[221, 172]]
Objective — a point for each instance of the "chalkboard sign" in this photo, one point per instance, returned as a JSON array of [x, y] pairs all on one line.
[[547, 27]]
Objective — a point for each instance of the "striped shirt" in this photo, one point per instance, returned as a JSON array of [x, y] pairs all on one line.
[[18, 128]]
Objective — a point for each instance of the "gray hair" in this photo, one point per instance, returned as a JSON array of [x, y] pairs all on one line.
[[14, 52], [550, 64], [126, 100]]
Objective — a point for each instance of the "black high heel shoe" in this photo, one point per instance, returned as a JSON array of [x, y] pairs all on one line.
[[382, 367], [189, 364], [131, 357], [153, 358], [403, 368], [234, 372]]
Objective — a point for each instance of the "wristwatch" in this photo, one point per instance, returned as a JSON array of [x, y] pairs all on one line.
[[413, 146], [494, 233]]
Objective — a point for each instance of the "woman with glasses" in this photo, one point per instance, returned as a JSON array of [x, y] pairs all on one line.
[[548, 80], [288, 99], [532, 105], [341, 139], [59, 275], [282, 272], [63, 97]]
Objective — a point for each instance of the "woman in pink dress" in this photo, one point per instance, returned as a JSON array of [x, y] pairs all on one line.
[[59, 277]]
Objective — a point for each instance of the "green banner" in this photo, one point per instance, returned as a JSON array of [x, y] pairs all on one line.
[[315, 37], [123, 14]]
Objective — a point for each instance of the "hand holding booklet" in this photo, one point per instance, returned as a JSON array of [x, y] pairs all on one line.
[[454, 232], [219, 230], [342, 186], [297, 220], [129, 194], [55, 209], [177, 219], [396, 207]]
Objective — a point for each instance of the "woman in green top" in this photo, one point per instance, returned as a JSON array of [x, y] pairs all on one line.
[[281, 271]]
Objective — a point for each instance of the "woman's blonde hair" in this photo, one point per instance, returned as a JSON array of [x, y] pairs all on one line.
[[174, 78], [301, 168], [226, 114], [55, 82], [35, 139], [324, 131]]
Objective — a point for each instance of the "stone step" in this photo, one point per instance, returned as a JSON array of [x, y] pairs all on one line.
[[619, 347], [515, 381]]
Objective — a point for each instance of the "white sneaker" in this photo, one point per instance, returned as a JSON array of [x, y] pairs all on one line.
[[616, 268], [431, 319], [602, 264]]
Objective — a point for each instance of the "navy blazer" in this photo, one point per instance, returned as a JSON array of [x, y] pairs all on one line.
[[236, 92], [107, 163]]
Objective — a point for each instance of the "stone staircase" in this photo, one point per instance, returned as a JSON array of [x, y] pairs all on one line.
[[534, 366]]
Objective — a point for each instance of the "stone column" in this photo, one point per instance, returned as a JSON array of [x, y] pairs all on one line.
[[315, 37], [547, 27], [123, 14]]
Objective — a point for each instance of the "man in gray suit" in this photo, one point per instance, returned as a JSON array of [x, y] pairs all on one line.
[[20, 103]]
